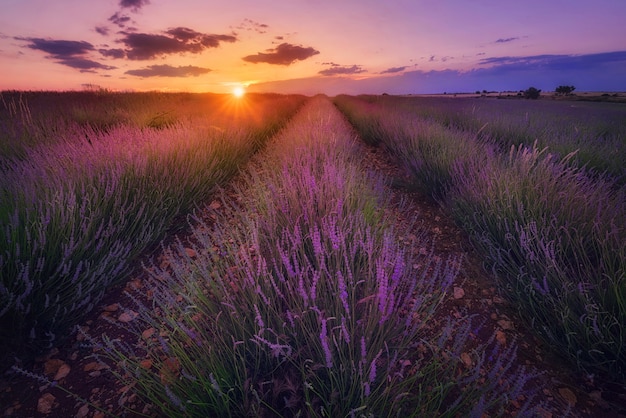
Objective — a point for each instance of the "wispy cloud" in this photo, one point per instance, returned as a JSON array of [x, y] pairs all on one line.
[[120, 19], [102, 30], [169, 71], [84, 64], [283, 54], [59, 48], [393, 70], [506, 40], [336, 69], [115, 53], [252, 25], [555, 62], [134, 5], [145, 46]]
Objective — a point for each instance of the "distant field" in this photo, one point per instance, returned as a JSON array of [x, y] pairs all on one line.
[[591, 96]]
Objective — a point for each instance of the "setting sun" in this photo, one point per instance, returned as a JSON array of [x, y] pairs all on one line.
[[239, 91]]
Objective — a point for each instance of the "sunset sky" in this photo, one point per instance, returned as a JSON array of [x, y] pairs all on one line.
[[313, 46]]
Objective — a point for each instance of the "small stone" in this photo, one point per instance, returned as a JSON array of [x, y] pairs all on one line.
[[568, 395], [80, 335], [466, 359], [146, 363], [112, 307], [148, 333], [82, 412], [458, 293], [62, 372], [191, 253], [127, 316], [215, 205], [505, 325], [498, 300], [170, 370], [134, 284], [45, 403], [501, 337], [94, 365], [51, 366]]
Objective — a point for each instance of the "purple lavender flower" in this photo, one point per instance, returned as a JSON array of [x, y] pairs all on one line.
[[325, 345], [174, 399], [343, 292], [258, 318]]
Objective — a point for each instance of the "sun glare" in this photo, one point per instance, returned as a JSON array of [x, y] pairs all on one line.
[[239, 91]]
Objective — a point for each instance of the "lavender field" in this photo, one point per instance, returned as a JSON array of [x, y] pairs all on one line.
[[296, 298]]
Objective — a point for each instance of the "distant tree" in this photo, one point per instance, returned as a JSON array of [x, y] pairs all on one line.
[[564, 90], [532, 93]]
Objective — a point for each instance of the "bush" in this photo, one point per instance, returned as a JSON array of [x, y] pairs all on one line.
[[532, 93]]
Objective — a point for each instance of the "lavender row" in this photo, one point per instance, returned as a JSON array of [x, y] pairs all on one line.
[[554, 233], [76, 211], [594, 132]]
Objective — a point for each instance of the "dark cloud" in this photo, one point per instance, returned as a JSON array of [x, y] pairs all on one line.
[[342, 70], [102, 30], [144, 46], [68, 53], [59, 48], [84, 64], [113, 53], [169, 71], [120, 19], [133, 4], [393, 70], [283, 54], [505, 40], [434, 58]]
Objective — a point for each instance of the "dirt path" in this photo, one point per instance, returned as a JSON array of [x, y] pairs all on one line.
[[474, 293]]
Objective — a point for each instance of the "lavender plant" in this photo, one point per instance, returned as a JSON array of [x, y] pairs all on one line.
[[557, 237], [300, 302]]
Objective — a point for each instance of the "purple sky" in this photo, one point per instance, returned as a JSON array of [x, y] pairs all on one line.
[[313, 46]]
